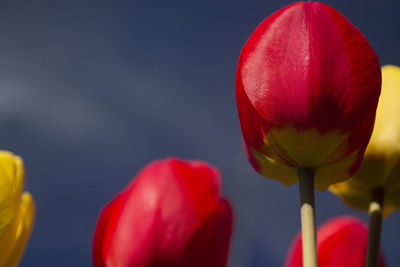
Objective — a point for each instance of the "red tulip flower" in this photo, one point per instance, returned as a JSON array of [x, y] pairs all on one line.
[[171, 214], [307, 88], [342, 241]]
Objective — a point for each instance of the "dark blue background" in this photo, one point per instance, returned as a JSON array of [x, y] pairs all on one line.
[[91, 91]]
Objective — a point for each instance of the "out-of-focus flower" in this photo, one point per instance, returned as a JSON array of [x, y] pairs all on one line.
[[307, 87], [342, 241], [16, 210], [380, 168], [171, 214]]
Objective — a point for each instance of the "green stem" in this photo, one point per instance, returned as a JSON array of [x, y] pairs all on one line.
[[375, 227], [308, 232]]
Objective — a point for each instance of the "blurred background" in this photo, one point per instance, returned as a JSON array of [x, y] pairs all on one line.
[[91, 91]]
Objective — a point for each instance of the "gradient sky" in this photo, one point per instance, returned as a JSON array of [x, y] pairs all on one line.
[[91, 91]]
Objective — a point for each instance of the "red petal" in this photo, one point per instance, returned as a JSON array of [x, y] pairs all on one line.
[[342, 241], [307, 66], [168, 210]]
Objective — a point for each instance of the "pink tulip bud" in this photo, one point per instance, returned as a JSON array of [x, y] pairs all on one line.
[[171, 214], [342, 241], [307, 88]]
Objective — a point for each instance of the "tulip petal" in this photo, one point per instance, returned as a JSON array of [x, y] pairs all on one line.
[[11, 183], [306, 148], [381, 165], [274, 169], [100, 241], [171, 210], [23, 223], [202, 250], [307, 68], [342, 241], [335, 172]]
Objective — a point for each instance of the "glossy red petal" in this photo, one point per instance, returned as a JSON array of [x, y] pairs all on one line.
[[308, 66], [342, 241], [250, 122]]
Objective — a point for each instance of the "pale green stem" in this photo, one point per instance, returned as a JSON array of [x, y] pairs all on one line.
[[308, 232]]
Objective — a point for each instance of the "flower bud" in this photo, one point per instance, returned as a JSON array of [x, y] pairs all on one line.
[[307, 88], [171, 214]]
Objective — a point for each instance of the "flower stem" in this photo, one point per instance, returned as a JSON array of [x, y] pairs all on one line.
[[306, 181], [375, 226]]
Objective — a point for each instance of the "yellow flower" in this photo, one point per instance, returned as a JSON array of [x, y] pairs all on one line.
[[16, 210], [380, 169]]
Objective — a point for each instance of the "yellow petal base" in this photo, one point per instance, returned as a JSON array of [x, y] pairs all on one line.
[[286, 150]]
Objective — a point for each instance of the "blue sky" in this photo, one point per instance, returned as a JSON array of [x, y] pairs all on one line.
[[91, 91]]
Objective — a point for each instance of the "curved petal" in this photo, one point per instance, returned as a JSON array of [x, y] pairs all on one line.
[[209, 245], [23, 230], [309, 67], [381, 165], [342, 241], [169, 209], [11, 183]]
